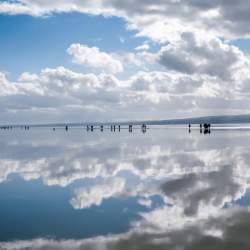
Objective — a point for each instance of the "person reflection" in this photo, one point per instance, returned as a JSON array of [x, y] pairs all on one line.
[[144, 128], [206, 128]]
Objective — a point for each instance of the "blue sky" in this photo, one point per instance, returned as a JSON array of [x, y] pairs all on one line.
[[113, 60], [32, 43], [243, 44]]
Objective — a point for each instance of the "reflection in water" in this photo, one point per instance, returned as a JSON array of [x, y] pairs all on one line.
[[167, 189]]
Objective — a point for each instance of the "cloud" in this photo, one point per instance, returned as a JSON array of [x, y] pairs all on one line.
[[198, 55], [159, 20], [59, 89], [232, 233], [145, 202], [5, 87], [92, 57], [195, 72], [86, 197], [59, 94], [203, 190], [144, 46]]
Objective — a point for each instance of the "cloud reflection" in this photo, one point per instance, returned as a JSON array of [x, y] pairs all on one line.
[[200, 179]]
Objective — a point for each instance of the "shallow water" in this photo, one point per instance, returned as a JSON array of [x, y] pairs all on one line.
[[163, 189]]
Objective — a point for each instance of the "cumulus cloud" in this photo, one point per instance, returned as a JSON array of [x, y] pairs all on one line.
[[144, 46], [196, 71], [228, 231], [198, 55], [59, 90], [59, 94], [5, 87], [160, 20], [86, 197], [203, 190], [145, 202], [94, 58]]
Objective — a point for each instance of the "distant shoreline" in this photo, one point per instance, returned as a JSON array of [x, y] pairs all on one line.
[[227, 119]]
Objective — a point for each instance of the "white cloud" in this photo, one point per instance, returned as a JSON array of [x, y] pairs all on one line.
[[86, 197], [94, 58], [5, 87], [144, 46], [194, 69], [160, 20], [145, 202], [198, 55], [60, 94], [218, 232], [27, 77]]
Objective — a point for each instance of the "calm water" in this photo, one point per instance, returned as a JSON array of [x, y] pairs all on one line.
[[165, 189]]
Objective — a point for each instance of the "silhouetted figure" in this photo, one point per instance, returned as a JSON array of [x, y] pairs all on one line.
[[119, 128], [130, 128], [101, 128], [201, 128], [66, 128], [92, 128]]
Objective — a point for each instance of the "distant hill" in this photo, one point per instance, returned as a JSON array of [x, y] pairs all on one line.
[[229, 119]]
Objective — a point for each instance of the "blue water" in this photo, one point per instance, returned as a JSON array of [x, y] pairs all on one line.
[[57, 186]]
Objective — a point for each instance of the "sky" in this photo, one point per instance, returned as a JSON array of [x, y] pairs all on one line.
[[97, 60]]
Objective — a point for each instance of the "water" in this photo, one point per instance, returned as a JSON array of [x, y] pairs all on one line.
[[165, 189]]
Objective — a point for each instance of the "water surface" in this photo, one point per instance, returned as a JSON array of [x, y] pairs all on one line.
[[163, 189]]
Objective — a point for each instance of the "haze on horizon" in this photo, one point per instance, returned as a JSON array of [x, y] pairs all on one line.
[[117, 60]]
